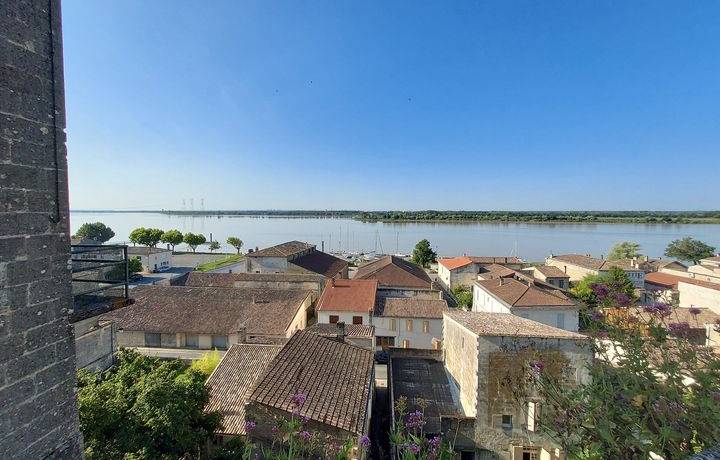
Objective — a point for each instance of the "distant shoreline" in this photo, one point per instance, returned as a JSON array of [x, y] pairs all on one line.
[[449, 217]]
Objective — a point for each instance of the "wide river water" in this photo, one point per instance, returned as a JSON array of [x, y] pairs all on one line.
[[532, 242]]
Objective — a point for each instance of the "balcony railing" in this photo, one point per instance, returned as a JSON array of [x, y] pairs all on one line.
[[99, 278]]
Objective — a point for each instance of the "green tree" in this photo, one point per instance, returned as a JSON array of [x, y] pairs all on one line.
[[689, 249], [144, 408], [194, 240], [624, 250], [172, 237], [214, 245], [207, 363], [134, 265], [637, 401], [95, 231], [463, 295], [582, 290], [235, 242], [423, 254], [146, 236]]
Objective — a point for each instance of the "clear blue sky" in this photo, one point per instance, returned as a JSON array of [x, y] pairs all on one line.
[[388, 105]]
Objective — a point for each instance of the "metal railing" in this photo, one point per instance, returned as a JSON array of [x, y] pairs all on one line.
[[99, 277]]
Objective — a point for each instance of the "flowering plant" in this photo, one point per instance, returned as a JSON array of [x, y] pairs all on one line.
[[654, 388], [408, 439]]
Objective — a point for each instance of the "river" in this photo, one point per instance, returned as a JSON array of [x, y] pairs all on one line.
[[532, 242]]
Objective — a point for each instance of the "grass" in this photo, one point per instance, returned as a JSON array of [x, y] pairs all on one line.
[[229, 260]]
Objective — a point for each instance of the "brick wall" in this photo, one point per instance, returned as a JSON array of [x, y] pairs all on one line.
[[38, 415]]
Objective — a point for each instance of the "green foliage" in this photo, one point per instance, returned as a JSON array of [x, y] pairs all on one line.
[[463, 295], [134, 265], [408, 439], [235, 242], [624, 250], [207, 364], [214, 245], [615, 279], [582, 289], [229, 260], [95, 231], [660, 394], [146, 236], [172, 237], [423, 254], [194, 240], [689, 250], [144, 408]]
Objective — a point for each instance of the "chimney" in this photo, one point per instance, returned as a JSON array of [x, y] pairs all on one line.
[[322, 246], [602, 256], [242, 336], [501, 281], [647, 258], [332, 282], [341, 330]]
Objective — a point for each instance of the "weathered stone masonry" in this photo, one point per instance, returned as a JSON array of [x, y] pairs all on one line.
[[38, 414]]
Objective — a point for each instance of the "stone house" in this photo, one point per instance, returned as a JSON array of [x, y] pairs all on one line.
[[395, 273], [483, 350], [335, 378], [276, 281], [527, 298], [347, 301], [152, 259], [550, 275], [296, 257], [464, 270], [201, 318], [707, 270], [409, 322], [697, 293], [577, 266]]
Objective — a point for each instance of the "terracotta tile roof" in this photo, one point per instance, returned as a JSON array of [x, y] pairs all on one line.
[[551, 271], [203, 310], [208, 279], [517, 293], [592, 263], [233, 380], [282, 250], [496, 271], [410, 307], [663, 279], [706, 284], [351, 330], [508, 325], [321, 263], [348, 295], [394, 271], [683, 315], [483, 260], [334, 376], [455, 262], [713, 258]]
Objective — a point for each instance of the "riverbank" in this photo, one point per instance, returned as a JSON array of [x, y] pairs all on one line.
[[530, 217]]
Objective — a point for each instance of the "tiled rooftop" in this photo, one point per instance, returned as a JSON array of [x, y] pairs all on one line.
[[456, 262], [334, 376], [348, 295], [551, 271], [351, 330], [233, 380], [203, 310], [410, 307], [394, 271], [508, 325], [201, 279], [321, 263], [593, 263], [524, 293], [282, 250]]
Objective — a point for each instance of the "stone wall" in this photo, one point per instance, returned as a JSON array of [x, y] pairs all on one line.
[[38, 414], [94, 344]]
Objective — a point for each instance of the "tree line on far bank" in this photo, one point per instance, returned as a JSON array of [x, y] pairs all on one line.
[[150, 237]]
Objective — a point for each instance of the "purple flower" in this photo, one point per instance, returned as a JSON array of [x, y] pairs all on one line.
[[275, 430], [694, 311], [658, 308], [622, 299], [678, 327], [249, 426], [600, 290], [537, 367], [364, 442], [414, 448], [298, 399], [414, 420], [435, 442], [598, 316], [305, 419], [305, 435]]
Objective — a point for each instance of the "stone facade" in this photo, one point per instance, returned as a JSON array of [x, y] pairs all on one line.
[[38, 413]]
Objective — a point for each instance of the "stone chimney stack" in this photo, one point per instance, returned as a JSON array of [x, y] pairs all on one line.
[[242, 335], [341, 330]]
